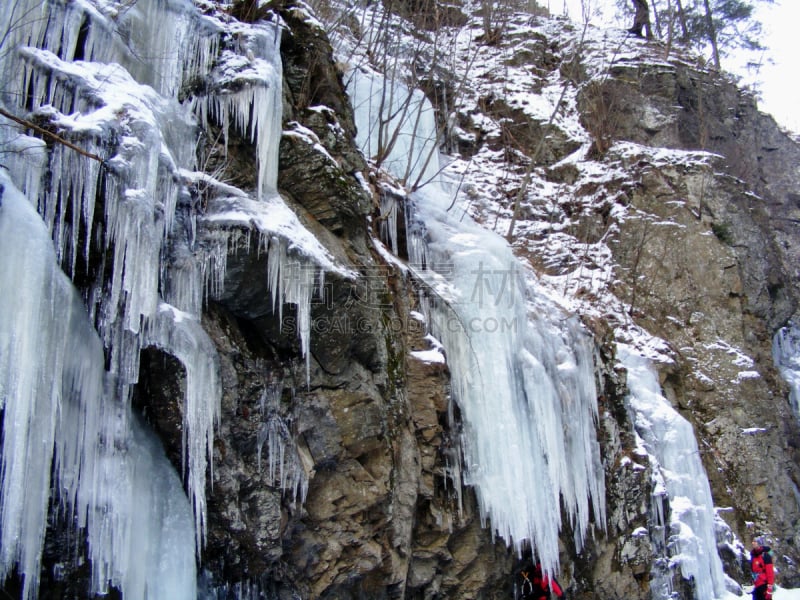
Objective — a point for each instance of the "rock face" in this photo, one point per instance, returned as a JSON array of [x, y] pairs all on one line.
[[371, 427], [364, 501], [737, 212]]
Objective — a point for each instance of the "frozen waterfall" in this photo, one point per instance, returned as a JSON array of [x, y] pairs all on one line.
[[786, 354], [669, 440], [123, 188], [522, 371], [57, 399]]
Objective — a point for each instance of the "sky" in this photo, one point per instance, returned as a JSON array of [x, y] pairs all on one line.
[[777, 80], [780, 86]]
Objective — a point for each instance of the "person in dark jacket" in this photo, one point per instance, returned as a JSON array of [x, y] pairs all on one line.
[[532, 584], [762, 570], [642, 19]]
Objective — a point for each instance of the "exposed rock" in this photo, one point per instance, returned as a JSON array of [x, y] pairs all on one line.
[[369, 427], [385, 515]]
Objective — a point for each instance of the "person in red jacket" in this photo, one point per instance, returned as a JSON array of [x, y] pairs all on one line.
[[762, 570], [532, 584]]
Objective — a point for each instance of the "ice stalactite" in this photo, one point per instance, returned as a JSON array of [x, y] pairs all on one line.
[[388, 224], [181, 335], [128, 214], [669, 440], [522, 371], [296, 261], [111, 187], [138, 196], [184, 43], [284, 465], [786, 354], [49, 355], [255, 109]]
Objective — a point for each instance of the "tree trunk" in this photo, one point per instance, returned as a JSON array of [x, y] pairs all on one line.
[[682, 21], [712, 35], [670, 28], [656, 19]]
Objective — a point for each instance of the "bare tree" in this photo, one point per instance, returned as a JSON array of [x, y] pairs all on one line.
[[712, 35]]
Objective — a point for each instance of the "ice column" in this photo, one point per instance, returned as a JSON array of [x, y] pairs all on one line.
[[786, 354], [181, 335], [669, 439], [68, 62], [49, 355], [396, 125]]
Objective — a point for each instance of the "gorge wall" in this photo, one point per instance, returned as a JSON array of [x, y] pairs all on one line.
[[336, 470]]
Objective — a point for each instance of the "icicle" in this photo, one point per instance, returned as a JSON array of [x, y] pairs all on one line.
[[175, 40], [49, 355], [292, 281], [389, 221], [168, 44], [255, 110], [256, 113], [270, 399], [181, 335], [118, 485], [103, 108], [138, 520], [113, 100], [670, 440], [284, 465]]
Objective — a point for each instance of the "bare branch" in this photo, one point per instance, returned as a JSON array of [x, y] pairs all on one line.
[[52, 136]]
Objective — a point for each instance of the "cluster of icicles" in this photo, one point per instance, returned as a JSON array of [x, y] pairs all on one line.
[[107, 77]]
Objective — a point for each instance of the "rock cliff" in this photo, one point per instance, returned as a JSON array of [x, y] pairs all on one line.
[[702, 258], [659, 200]]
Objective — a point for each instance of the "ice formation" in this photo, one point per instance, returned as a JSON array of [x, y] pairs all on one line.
[[57, 399], [669, 439], [786, 354], [284, 465], [522, 371], [121, 183], [396, 126]]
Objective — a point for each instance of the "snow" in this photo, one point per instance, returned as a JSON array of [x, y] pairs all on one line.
[[429, 356], [752, 430], [272, 218]]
